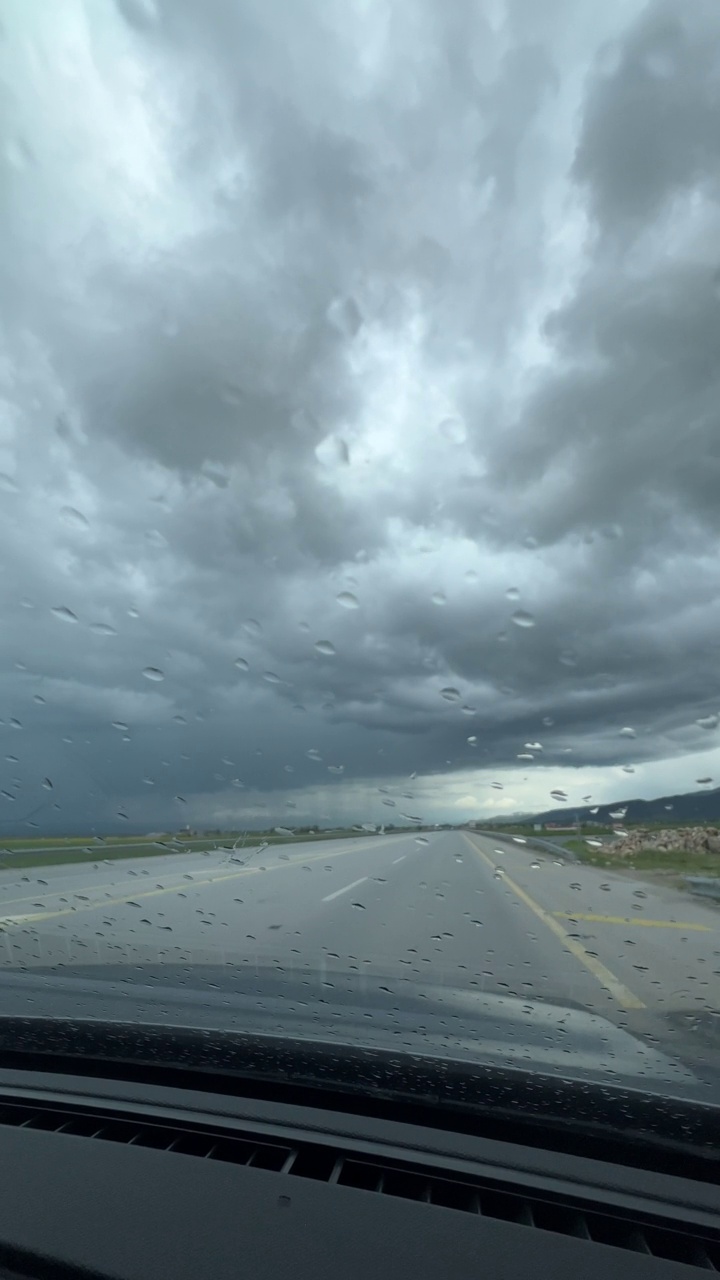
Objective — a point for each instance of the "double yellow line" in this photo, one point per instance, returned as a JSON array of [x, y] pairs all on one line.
[[617, 989]]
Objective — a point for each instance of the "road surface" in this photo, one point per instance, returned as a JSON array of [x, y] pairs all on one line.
[[452, 908]]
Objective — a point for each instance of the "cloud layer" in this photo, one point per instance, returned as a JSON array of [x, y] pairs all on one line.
[[359, 408]]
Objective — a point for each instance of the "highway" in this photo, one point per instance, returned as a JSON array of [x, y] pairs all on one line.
[[453, 909]]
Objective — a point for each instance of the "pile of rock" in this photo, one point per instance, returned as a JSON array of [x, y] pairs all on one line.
[[672, 840]]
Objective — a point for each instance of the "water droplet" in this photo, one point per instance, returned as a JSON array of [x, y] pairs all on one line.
[[271, 677], [421, 840], [359, 906], [454, 430], [284, 831], [66, 615], [532, 746], [242, 664], [336, 768], [102, 629], [472, 740], [74, 518], [348, 600], [594, 844], [568, 658], [7, 483], [627, 732], [313, 754], [468, 710], [133, 612], [14, 723], [708, 722], [325, 646], [522, 618], [345, 316], [558, 794], [525, 755], [142, 14], [659, 64], [497, 785], [47, 784], [153, 673], [535, 866], [181, 799], [252, 626], [703, 781], [512, 593], [450, 694], [519, 840], [628, 768], [439, 597]]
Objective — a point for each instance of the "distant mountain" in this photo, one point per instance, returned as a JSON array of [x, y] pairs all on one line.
[[693, 806]]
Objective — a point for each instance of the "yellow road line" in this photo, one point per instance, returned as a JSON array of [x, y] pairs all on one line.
[[104, 903], [645, 924], [617, 989]]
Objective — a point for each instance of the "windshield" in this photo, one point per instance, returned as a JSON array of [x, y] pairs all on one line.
[[359, 466]]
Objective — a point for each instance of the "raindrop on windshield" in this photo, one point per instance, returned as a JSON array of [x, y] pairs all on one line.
[[252, 626], [133, 612], [568, 658], [348, 600], [450, 694], [47, 784], [66, 615], [153, 673], [141, 14], [74, 518], [271, 677], [284, 831], [439, 597], [421, 840], [703, 781], [102, 629], [326, 647], [627, 732], [453, 429], [7, 483], [242, 664], [522, 618], [708, 722], [345, 316], [512, 593]]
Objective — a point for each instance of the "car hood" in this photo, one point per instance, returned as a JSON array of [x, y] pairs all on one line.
[[361, 1011]]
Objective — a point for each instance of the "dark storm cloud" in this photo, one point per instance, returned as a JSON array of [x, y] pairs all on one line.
[[420, 306]]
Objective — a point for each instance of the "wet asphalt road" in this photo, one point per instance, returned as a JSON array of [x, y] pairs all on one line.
[[461, 910]]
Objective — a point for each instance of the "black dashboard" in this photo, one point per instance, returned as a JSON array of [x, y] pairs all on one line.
[[106, 1175]]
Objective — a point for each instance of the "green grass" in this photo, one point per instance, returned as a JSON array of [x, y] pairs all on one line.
[[650, 860]]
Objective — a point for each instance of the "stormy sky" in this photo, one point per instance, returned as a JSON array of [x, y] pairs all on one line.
[[359, 408]]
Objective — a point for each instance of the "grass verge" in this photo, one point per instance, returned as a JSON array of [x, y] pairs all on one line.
[[650, 860]]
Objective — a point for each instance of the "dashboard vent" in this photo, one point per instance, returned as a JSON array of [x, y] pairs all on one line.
[[484, 1198]]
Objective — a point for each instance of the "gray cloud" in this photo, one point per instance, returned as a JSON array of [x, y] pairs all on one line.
[[421, 308]]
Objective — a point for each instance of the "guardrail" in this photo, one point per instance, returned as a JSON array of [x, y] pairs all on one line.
[[704, 886], [535, 842]]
